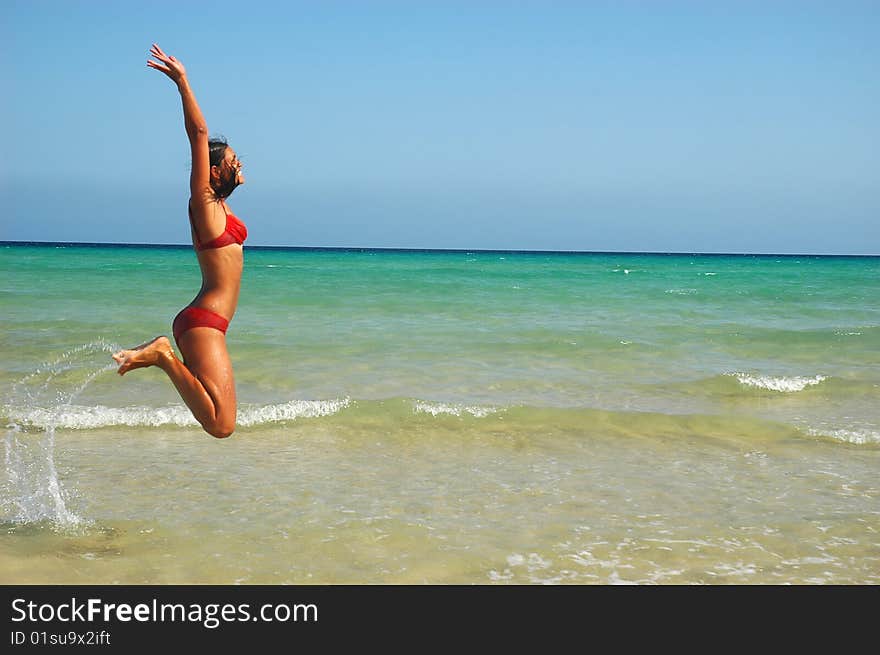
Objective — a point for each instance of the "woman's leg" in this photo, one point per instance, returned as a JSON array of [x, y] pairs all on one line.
[[205, 381]]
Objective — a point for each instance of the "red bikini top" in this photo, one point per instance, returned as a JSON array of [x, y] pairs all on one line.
[[235, 232]]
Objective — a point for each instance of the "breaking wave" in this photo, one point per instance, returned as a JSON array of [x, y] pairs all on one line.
[[782, 384], [435, 409], [858, 437], [79, 417]]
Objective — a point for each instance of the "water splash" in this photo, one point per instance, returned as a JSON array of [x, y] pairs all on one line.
[[32, 490]]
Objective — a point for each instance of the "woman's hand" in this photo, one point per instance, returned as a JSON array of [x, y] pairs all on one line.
[[169, 65]]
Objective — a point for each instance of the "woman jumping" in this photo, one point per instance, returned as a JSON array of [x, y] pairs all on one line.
[[204, 377]]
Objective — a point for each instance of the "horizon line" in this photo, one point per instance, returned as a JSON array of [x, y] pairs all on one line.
[[106, 244]]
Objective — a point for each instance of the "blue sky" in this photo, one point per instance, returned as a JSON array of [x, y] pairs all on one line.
[[636, 126]]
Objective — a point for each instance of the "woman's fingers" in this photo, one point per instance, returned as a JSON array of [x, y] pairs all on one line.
[[167, 64], [158, 67], [156, 52]]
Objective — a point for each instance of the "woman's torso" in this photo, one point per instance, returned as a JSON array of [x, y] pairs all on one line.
[[221, 266]]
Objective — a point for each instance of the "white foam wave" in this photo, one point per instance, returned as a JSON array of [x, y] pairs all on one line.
[[289, 411], [79, 417], [859, 437], [681, 292], [782, 384], [435, 409]]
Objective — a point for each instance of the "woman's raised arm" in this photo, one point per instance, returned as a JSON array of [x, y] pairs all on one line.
[[193, 120]]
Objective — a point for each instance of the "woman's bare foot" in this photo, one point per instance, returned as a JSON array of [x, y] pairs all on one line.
[[146, 354]]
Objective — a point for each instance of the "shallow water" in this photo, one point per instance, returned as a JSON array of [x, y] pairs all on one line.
[[591, 497], [449, 418]]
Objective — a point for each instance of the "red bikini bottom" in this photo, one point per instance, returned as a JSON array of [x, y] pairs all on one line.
[[192, 317]]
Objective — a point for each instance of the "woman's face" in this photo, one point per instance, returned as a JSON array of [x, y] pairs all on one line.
[[227, 175], [232, 164]]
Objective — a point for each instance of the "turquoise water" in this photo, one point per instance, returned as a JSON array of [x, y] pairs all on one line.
[[481, 417]]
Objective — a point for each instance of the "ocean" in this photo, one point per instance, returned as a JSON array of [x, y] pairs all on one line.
[[447, 417]]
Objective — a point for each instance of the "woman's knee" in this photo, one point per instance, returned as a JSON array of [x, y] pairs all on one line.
[[220, 429]]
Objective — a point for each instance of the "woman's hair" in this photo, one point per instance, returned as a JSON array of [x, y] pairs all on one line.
[[217, 150], [216, 154]]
